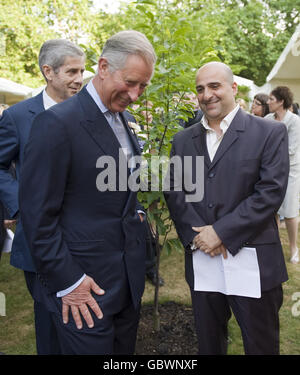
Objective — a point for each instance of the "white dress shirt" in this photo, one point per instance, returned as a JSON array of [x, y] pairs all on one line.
[[47, 101], [213, 140], [114, 121]]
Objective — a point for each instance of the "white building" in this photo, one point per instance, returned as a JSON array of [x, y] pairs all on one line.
[[286, 71], [12, 92]]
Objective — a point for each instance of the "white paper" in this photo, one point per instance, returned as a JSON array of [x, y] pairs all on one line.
[[237, 275], [8, 241]]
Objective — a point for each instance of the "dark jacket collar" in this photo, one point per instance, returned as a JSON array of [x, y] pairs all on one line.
[[199, 137]]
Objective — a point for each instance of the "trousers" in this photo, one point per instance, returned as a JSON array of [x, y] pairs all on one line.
[[258, 319]]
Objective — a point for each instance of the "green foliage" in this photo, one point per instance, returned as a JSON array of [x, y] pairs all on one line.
[[243, 93], [255, 33], [249, 35], [26, 24]]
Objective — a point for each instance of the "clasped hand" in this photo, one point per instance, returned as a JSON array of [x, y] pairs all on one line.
[[208, 241], [79, 300]]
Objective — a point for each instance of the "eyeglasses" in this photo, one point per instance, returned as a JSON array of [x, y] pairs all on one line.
[[256, 102]]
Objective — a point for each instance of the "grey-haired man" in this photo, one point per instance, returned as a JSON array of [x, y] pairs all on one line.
[[62, 64]]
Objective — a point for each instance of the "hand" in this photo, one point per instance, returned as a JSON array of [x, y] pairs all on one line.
[[207, 239], [219, 250], [79, 300], [9, 223]]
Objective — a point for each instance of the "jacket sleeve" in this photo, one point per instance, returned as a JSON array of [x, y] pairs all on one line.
[[42, 185], [293, 129], [9, 151], [182, 212]]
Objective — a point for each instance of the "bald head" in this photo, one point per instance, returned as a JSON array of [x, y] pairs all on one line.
[[220, 68], [216, 91]]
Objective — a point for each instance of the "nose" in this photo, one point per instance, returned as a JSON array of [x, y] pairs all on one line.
[[79, 78], [134, 93], [207, 93]]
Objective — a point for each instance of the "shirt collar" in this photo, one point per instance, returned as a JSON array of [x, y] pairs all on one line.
[[47, 100], [93, 92], [225, 123]]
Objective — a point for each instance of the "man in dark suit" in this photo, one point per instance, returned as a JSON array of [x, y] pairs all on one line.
[[62, 64], [81, 221], [245, 172], [2, 228]]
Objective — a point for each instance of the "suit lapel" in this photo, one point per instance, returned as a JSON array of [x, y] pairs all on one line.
[[95, 123], [230, 137], [132, 136], [199, 140], [36, 105]]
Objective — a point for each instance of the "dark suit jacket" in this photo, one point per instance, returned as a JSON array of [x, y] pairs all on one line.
[[15, 125], [71, 226], [192, 120], [244, 186], [2, 229]]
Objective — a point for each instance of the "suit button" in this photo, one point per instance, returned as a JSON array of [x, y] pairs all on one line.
[[210, 205], [211, 174]]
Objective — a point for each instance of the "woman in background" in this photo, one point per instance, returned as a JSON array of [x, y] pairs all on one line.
[[260, 106], [280, 100]]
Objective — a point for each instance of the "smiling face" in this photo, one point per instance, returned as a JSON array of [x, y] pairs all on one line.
[[67, 80], [215, 91], [122, 87]]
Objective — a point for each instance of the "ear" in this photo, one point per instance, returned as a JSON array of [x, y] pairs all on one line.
[[234, 88], [102, 67], [48, 72]]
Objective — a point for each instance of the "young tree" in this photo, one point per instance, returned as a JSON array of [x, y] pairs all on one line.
[[182, 44]]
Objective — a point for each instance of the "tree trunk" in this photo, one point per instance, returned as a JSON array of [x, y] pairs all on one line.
[[156, 316]]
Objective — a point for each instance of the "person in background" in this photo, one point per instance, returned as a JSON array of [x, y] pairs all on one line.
[[5, 222], [62, 64], [259, 105], [242, 103], [280, 100], [294, 108], [191, 98], [3, 107]]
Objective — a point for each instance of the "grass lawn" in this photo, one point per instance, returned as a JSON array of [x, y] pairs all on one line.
[[17, 326]]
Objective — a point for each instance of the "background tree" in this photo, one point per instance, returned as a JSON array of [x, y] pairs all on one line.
[[255, 33], [26, 24]]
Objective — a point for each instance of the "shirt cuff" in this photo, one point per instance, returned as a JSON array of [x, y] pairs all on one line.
[[64, 292]]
